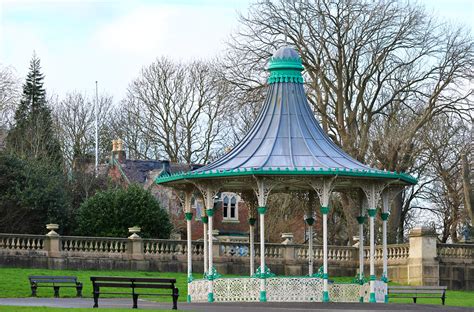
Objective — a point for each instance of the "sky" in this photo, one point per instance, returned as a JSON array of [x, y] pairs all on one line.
[[109, 41]]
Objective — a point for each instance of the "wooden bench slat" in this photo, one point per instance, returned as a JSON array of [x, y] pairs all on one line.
[[130, 285], [415, 292], [418, 287], [138, 279]]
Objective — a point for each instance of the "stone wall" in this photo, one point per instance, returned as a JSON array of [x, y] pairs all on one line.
[[421, 262]]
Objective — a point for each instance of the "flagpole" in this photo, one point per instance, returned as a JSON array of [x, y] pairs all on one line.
[[96, 128]]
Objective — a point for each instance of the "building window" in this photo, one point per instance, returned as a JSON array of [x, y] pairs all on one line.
[[197, 204], [230, 207]]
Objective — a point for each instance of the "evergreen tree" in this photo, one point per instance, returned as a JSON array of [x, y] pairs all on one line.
[[33, 135]]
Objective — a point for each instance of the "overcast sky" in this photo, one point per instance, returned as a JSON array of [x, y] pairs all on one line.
[[80, 42]]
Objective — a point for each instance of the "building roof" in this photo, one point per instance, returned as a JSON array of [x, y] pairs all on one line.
[[286, 139]]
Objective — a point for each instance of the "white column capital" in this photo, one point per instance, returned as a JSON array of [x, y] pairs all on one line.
[[323, 187]]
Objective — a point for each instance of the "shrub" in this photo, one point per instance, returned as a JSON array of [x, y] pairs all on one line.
[[111, 212]]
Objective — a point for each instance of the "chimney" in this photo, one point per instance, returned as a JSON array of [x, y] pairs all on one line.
[[118, 151]]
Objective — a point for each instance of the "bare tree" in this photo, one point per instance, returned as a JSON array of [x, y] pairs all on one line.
[[179, 109], [367, 63], [75, 123], [9, 95]]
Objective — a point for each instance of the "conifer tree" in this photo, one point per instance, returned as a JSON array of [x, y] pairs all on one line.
[[33, 135]]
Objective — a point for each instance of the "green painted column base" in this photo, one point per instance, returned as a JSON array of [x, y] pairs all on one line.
[[361, 299], [210, 297], [372, 297], [263, 296], [325, 296], [386, 298], [188, 299]]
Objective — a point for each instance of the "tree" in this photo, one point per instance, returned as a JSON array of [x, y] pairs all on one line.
[[176, 111], [365, 62], [33, 134], [9, 93], [112, 212], [32, 194], [74, 119]]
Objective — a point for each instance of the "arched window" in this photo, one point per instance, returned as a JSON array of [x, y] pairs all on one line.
[[233, 208], [230, 209], [225, 207]]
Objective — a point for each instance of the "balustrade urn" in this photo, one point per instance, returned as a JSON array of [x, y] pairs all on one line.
[[135, 244]]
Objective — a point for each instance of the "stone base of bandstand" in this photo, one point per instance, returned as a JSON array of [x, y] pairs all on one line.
[[282, 289]]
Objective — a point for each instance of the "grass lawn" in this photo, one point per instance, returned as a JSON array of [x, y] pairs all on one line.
[[14, 284]]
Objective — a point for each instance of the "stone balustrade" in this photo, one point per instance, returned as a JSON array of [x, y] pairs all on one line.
[[457, 251], [455, 262], [93, 244], [22, 241], [394, 252]]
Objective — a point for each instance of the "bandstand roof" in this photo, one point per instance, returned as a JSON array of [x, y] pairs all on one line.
[[286, 140]]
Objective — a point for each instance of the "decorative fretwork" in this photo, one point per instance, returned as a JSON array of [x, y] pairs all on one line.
[[380, 291], [361, 280], [323, 187], [265, 273], [250, 199], [236, 289], [388, 195], [209, 191], [212, 274], [281, 289], [373, 191], [294, 289], [320, 272], [262, 190], [198, 290], [344, 292]]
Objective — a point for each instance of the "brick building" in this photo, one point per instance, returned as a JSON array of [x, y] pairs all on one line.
[[231, 216]]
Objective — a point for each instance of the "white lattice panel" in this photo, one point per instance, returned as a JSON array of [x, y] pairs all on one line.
[[380, 291], [294, 289], [198, 290], [344, 292], [236, 289], [365, 289]]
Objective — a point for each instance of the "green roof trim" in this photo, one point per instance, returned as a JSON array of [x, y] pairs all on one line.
[[285, 172], [285, 70]]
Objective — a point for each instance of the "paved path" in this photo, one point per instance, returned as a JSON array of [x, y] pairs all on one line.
[[227, 307]]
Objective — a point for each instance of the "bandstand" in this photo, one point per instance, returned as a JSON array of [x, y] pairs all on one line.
[[287, 151]]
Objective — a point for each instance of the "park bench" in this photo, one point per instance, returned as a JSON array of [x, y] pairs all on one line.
[[136, 284], [55, 282], [417, 292]]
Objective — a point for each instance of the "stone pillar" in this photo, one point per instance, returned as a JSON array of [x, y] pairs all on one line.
[[423, 267], [135, 244], [252, 244], [52, 245]]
